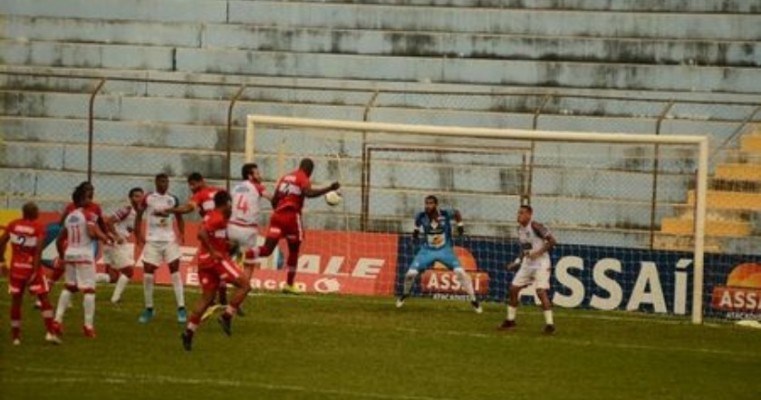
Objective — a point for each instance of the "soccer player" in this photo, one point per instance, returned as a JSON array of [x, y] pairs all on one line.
[[436, 225], [285, 222], [244, 220], [535, 267], [26, 236], [120, 256], [75, 249], [215, 266], [202, 199], [160, 244], [93, 208]]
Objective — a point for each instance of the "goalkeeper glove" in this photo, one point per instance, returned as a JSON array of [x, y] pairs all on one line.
[[415, 236], [460, 229]]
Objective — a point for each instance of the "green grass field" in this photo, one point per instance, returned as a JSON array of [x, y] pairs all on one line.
[[327, 347]]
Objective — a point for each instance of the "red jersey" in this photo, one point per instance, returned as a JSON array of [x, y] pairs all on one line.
[[204, 199], [215, 225], [290, 191], [25, 235]]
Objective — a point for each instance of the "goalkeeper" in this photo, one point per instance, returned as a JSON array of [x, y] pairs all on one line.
[[533, 266], [436, 226]]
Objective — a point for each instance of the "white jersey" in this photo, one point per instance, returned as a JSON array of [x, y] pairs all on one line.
[[246, 197], [532, 238], [79, 241], [125, 220], [159, 228]]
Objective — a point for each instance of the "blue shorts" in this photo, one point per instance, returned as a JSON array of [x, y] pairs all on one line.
[[426, 257]]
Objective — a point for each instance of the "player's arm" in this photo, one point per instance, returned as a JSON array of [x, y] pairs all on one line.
[[418, 227], [110, 222], [177, 210], [312, 192], [93, 229], [180, 226], [549, 241], [138, 228], [458, 222], [203, 237], [60, 242]]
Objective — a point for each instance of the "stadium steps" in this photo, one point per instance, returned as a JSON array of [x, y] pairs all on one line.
[[299, 39], [681, 226], [739, 172]]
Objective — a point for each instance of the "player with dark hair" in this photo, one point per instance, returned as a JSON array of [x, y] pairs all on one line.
[[436, 225], [214, 267], [160, 244], [285, 222], [74, 246], [243, 227], [201, 199], [533, 266], [120, 256], [26, 236]]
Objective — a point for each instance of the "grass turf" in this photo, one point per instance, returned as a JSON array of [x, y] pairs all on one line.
[[343, 347]]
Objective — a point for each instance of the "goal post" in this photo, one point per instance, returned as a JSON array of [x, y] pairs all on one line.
[[386, 168]]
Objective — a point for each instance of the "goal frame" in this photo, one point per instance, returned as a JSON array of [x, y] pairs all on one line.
[[701, 142]]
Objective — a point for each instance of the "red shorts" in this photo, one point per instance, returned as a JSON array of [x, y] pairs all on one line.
[[211, 276], [286, 224], [27, 278]]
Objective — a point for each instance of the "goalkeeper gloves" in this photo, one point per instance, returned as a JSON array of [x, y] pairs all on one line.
[[460, 229]]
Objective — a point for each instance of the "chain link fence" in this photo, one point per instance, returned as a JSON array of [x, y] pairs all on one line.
[[140, 128]]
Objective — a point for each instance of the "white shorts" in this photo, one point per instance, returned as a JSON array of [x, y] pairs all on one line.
[[119, 256], [244, 237], [539, 276], [81, 275], [155, 253]]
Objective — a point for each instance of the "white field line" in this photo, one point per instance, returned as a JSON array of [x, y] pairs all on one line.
[[53, 375]]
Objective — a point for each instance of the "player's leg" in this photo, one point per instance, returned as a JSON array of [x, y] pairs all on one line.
[[291, 263], [209, 285], [522, 278], [64, 299], [123, 261], [173, 255], [16, 290], [85, 274], [542, 290], [40, 288], [234, 275], [423, 259], [152, 258], [447, 257]]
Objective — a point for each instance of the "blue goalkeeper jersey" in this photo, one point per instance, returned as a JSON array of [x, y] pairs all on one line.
[[437, 231]]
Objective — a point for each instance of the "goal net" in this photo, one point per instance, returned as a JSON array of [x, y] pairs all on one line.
[[628, 211]]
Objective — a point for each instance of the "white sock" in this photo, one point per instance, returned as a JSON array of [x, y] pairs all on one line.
[[63, 303], [511, 313], [121, 284], [548, 317], [179, 293], [89, 306], [466, 282], [409, 280], [101, 277], [148, 290]]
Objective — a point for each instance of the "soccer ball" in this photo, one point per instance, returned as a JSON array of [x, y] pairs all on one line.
[[333, 198]]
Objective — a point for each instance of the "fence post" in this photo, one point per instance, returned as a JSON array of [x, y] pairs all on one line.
[[90, 127], [527, 185], [228, 162], [656, 165], [365, 178]]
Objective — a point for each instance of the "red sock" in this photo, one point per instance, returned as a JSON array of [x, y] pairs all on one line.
[[57, 274], [16, 320], [193, 323], [291, 275], [46, 309]]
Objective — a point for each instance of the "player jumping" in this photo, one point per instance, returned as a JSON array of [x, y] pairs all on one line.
[[120, 256]]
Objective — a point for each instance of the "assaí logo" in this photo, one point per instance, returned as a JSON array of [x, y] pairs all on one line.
[[443, 283], [741, 297]]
